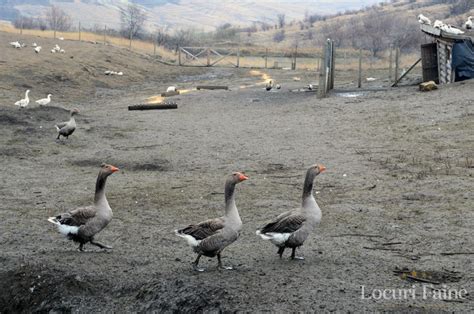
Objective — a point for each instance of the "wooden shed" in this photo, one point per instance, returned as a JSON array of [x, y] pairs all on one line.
[[436, 57]]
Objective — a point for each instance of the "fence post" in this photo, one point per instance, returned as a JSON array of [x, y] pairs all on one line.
[[322, 78], [390, 64], [294, 57], [397, 63], [333, 63], [54, 32], [208, 56], [266, 58], [130, 40], [238, 56], [105, 32], [359, 80], [155, 38], [79, 30], [179, 55], [21, 27]]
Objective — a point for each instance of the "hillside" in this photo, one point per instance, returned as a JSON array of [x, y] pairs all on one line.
[[346, 29], [173, 14]]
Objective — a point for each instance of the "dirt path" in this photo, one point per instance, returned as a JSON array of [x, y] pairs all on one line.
[[397, 193]]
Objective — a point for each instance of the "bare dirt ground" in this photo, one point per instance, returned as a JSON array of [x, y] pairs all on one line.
[[398, 192]]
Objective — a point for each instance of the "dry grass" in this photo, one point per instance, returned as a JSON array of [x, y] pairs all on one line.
[[137, 45]]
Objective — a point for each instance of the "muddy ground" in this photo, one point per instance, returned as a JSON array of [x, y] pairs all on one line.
[[397, 195]]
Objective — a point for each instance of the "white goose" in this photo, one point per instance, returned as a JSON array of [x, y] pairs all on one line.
[[37, 49], [469, 23], [423, 19], [22, 103], [44, 101]]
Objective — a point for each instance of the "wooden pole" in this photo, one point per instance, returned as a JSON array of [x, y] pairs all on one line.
[[322, 79], [397, 63], [154, 44], [404, 74], [266, 58], [238, 56], [79, 30], [55, 32], [294, 57], [21, 27], [390, 64], [130, 42], [208, 56], [333, 63], [359, 80], [105, 32], [179, 55]]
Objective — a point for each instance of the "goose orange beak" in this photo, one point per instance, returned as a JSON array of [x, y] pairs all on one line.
[[322, 168], [114, 169], [242, 177]]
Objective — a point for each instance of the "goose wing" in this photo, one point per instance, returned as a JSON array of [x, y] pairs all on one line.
[[203, 229], [285, 223]]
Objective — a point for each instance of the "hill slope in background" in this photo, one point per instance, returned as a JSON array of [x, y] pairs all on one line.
[[172, 14]]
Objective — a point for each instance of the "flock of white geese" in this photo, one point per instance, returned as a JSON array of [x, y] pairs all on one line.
[[36, 47], [468, 25]]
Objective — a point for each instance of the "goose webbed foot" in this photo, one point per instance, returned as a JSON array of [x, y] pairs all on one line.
[[294, 257], [102, 246], [219, 264], [81, 247], [196, 263]]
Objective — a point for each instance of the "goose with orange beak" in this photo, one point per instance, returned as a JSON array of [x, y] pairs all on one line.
[[83, 223], [211, 237], [291, 229]]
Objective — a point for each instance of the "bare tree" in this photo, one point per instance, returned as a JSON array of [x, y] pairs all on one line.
[[281, 20], [132, 19], [58, 19]]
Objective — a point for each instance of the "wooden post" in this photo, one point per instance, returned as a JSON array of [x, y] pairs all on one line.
[[359, 80], [266, 58], [238, 56], [79, 30], [294, 57], [390, 64], [179, 55], [130, 42], [397, 63], [208, 56], [154, 45], [333, 63], [322, 79], [55, 32], [21, 27], [105, 32]]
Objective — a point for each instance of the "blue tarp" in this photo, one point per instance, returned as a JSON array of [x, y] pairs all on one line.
[[463, 60]]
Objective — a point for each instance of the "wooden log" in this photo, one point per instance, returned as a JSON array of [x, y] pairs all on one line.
[[153, 106], [359, 75], [211, 87], [169, 94]]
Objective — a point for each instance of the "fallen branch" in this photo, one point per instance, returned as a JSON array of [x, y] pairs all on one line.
[[152, 107], [357, 235], [422, 280], [456, 253], [380, 248], [211, 87], [391, 243]]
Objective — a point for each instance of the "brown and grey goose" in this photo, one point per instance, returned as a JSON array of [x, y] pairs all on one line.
[[83, 223], [210, 237], [67, 128], [291, 229]]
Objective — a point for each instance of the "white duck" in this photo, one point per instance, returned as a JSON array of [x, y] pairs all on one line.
[[22, 103], [44, 101], [171, 89], [37, 49]]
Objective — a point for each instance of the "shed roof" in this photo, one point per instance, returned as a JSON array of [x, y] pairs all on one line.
[[436, 32]]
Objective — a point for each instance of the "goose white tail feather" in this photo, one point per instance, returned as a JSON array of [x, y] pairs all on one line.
[[64, 229], [189, 239], [275, 237]]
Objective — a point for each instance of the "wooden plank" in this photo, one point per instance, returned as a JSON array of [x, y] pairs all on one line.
[[153, 106], [397, 63], [169, 94], [404, 74], [359, 78], [212, 87]]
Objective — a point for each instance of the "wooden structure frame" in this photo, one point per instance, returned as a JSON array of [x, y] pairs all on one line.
[[197, 53], [326, 72], [444, 47]]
